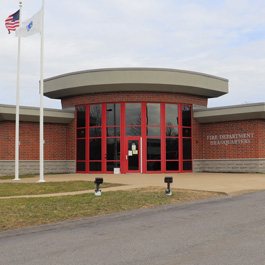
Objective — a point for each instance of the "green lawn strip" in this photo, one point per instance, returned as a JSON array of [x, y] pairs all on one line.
[[21, 177], [16, 189], [25, 212]]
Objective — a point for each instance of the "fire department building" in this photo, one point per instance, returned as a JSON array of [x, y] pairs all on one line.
[[136, 120]]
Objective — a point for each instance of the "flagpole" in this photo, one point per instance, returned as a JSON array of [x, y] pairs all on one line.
[[41, 99], [17, 104]]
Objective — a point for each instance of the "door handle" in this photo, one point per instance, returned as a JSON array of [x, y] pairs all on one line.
[[126, 157]]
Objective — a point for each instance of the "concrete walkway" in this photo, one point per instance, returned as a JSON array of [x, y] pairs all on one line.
[[232, 184]]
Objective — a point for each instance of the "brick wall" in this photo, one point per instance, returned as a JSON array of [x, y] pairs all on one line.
[[133, 97], [71, 143], [213, 140], [54, 135]]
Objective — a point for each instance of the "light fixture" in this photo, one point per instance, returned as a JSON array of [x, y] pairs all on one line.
[[168, 180], [98, 181]]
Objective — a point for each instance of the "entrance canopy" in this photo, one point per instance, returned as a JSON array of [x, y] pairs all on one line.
[[135, 79]]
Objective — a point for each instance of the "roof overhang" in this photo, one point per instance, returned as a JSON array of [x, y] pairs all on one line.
[[135, 79], [31, 114], [231, 113]]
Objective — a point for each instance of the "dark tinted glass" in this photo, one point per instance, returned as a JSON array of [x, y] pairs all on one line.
[[172, 165], [113, 131], [186, 148], [81, 166], [133, 113], [172, 131], [112, 165], [152, 114], [113, 114], [95, 132], [133, 131], [153, 166], [113, 148], [95, 166], [171, 115], [95, 115], [186, 132], [153, 131], [81, 149], [81, 116], [95, 149], [172, 148], [187, 165], [186, 115], [153, 149], [81, 133]]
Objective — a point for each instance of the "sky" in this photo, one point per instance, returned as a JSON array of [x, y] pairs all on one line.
[[221, 38]]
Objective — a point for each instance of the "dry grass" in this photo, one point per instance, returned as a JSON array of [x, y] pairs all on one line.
[[25, 212], [16, 189]]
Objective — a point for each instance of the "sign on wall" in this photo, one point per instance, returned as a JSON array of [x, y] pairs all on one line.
[[228, 139]]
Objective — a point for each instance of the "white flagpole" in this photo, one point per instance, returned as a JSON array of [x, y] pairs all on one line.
[[41, 98], [17, 104]]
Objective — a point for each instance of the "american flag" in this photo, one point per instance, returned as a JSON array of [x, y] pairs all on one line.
[[12, 22]]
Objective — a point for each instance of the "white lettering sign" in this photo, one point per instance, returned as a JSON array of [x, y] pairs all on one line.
[[227, 139]]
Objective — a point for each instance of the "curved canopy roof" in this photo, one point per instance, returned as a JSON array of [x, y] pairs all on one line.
[[135, 79]]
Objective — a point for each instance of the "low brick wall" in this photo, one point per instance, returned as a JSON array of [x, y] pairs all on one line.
[[229, 165], [7, 167]]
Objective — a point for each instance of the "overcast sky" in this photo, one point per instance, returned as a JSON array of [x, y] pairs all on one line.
[[222, 38]]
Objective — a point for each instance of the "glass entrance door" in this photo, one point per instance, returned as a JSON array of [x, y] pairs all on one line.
[[133, 155]]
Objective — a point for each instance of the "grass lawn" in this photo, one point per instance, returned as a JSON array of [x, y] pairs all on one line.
[[14, 189], [21, 177], [25, 212]]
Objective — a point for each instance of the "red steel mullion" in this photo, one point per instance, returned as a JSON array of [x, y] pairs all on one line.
[[103, 137], [87, 138], [180, 140], [163, 137]]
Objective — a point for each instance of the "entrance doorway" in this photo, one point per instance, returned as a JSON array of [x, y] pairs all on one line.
[[133, 155]]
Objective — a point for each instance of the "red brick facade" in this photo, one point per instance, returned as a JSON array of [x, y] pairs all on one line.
[[71, 140], [133, 97], [55, 136], [229, 140]]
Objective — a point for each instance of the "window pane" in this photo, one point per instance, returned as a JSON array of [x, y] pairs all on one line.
[[171, 115], [81, 116], [133, 113], [172, 165], [81, 166], [113, 131], [186, 148], [81, 149], [153, 149], [95, 132], [112, 165], [95, 115], [81, 133], [186, 132], [133, 131], [153, 166], [152, 114], [172, 131], [113, 148], [113, 114], [95, 166], [172, 148], [186, 115], [187, 165], [95, 149], [153, 131]]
